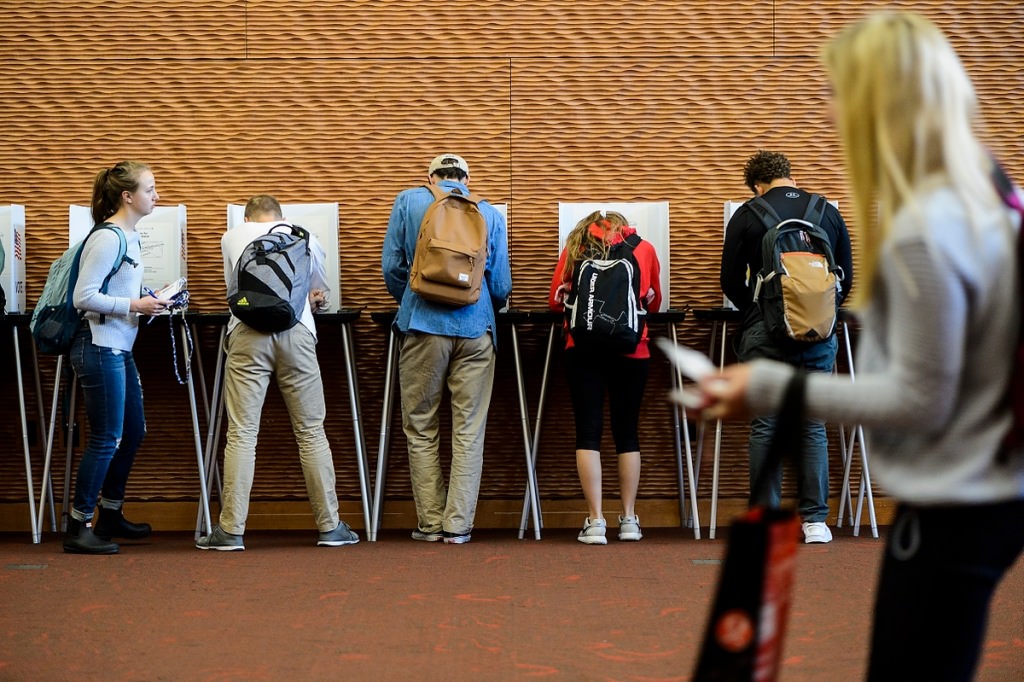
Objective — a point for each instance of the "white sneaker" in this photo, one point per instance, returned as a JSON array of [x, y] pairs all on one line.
[[593, 532], [629, 528], [816, 532]]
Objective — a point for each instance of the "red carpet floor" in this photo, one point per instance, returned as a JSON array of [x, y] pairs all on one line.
[[497, 608]]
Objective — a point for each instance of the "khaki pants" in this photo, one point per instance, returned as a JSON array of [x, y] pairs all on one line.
[[466, 366], [252, 358]]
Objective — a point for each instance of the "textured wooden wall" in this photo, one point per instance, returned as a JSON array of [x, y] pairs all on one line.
[[347, 101]]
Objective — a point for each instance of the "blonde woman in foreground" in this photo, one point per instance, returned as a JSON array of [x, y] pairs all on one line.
[[939, 311]]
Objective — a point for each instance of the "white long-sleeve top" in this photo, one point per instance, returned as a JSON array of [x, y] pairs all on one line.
[[933, 359], [120, 326]]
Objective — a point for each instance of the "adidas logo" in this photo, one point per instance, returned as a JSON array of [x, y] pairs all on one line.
[[242, 301]]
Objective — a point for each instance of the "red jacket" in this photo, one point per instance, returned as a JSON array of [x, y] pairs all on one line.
[[650, 279]]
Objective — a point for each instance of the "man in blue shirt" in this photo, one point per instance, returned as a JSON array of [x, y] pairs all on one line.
[[444, 345]]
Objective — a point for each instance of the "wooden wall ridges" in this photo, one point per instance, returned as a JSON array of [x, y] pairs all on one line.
[[326, 101]]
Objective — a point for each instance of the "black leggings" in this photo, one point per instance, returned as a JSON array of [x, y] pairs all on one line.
[[590, 375], [941, 567]]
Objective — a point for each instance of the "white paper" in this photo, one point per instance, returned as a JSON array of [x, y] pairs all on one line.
[[693, 365], [12, 272], [649, 218]]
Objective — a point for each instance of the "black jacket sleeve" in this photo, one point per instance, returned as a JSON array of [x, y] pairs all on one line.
[[735, 267], [841, 250]]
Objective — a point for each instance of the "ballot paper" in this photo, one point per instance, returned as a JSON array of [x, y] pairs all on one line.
[[693, 365]]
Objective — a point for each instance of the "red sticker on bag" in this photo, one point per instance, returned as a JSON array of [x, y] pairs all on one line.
[[734, 631]]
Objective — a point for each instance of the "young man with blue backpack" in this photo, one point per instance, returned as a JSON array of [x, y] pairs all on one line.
[[785, 227], [276, 280]]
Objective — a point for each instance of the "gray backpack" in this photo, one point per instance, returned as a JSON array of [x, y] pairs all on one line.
[[271, 282]]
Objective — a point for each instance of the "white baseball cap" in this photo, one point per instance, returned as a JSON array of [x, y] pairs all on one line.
[[448, 161]]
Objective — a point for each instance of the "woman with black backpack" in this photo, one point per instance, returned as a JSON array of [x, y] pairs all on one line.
[[607, 278]]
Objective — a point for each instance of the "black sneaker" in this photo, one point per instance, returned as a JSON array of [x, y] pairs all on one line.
[[455, 538]]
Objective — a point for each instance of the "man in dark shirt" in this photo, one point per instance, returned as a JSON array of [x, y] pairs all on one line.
[[768, 174]]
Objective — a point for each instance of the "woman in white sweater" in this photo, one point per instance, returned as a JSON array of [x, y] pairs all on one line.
[[938, 303], [109, 292]]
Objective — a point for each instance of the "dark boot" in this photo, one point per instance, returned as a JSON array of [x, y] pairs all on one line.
[[80, 540], [111, 523]]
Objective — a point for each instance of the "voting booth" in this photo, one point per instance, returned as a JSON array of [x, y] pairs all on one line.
[[651, 221], [320, 219], [163, 237], [730, 209], [649, 218], [12, 268]]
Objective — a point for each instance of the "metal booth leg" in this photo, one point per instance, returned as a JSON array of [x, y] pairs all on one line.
[[357, 426], [390, 380]]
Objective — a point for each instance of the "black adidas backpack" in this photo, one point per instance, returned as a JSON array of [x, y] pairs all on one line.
[[271, 282]]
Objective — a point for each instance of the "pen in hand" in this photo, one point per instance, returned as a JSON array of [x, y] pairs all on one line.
[[150, 292]]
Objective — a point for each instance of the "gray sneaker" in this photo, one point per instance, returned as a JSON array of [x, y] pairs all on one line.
[[221, 540], [342, 535], [593, 532], [455, 538], [422, 536], [629, 528]]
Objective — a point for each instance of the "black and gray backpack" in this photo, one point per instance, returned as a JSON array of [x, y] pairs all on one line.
[[271, 282], [797, 289]]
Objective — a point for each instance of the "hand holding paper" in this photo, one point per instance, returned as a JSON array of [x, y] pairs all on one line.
[[718, 395], [692, 365]]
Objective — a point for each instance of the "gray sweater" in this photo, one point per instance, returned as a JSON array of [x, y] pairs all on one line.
[[933, 358], [120, 326]]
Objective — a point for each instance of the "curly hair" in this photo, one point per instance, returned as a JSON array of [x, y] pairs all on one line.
[[765, 166]]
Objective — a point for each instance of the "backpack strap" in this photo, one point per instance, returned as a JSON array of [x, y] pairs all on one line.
[[815, 209], [122, 258], [296, 230], [763, 210], [441, 193]]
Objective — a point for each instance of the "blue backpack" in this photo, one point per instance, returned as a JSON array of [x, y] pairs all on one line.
[[55, 321]]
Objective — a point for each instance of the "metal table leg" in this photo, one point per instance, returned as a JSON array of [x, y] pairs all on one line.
[[357, 426], [390, 380], [531, 481]]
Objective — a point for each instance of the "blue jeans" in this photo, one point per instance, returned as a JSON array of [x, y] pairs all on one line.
[[812, 464], [113, 405]]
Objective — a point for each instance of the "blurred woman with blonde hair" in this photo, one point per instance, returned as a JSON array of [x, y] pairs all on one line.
[[937, 299]]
